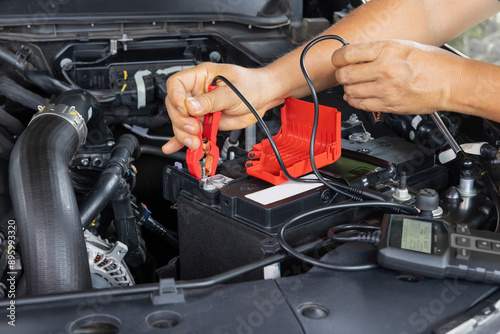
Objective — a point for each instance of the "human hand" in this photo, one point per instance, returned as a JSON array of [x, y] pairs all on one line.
[[187, 98], [396, 76]]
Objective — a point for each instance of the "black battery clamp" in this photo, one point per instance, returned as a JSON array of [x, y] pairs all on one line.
[[433, 248]]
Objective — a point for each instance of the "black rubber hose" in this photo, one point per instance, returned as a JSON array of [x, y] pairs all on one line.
[[126, 226], [109, 180], [44, 81], [9, 58], [156, 151], [150, 122], [54, 252], [234, 136], [10, 122], [21, 95], [99, 197], [158, 229]]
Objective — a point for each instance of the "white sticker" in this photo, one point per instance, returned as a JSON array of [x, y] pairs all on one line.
[[283, 191]]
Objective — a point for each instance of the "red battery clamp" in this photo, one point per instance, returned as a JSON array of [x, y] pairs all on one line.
[[208, 146]]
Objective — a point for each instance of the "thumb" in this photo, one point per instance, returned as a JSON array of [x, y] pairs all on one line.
[[356, 53], [221, 98]]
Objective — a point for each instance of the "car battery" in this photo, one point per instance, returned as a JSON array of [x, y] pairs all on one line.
[[236, 222]]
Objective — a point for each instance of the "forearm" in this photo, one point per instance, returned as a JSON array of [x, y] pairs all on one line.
[[424, 21], [476, 90]]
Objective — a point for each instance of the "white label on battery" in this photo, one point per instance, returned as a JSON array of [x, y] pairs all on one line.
[[283, 191]]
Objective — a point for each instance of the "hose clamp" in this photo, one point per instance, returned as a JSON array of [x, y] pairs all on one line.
[[69, 113]]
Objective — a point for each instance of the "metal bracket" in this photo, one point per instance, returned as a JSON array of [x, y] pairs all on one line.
[[113, 46], [167, 293]]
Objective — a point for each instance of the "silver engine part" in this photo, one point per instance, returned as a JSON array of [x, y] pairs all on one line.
[[107, 267]]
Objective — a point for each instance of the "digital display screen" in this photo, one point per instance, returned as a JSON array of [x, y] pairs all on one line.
[[416, 236]]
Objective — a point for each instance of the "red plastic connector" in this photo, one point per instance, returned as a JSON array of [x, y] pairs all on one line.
[[208, 148], [293, 143]]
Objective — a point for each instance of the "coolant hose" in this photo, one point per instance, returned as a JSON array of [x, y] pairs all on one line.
[[11, 90], [53, 247], [109, 180]]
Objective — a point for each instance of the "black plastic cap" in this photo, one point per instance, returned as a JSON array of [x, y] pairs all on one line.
[[427, 200]]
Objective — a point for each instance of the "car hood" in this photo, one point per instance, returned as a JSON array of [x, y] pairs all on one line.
[[265, 13]]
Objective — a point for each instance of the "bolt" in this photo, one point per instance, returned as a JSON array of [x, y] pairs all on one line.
[[403, 180], [353, 118], [209, 185]]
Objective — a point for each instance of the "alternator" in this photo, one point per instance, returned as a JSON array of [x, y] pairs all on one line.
[[107, 267]]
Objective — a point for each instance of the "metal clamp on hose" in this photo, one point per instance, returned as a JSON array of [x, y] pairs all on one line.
[[67, 112]]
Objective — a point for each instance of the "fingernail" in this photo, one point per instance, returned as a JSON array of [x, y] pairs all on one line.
[[194, 102], [188, 142], [180, 110], [189, 129]]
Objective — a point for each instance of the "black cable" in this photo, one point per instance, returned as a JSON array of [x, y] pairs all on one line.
[[68, 79], [68, 65], [339, 206], [316, 108], [361, 236], [153, 287]]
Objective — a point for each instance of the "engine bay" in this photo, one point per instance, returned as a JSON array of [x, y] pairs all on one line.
[[96, 218]]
